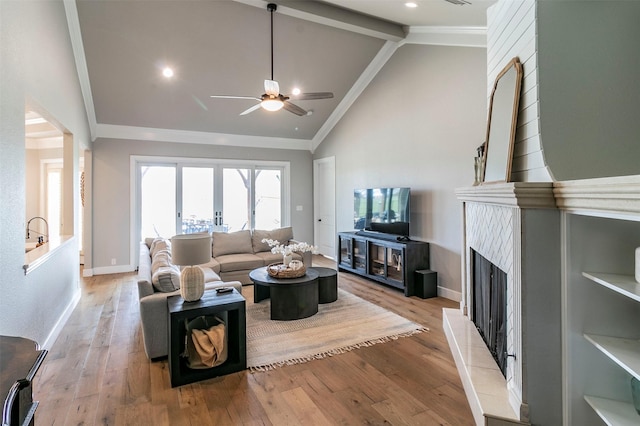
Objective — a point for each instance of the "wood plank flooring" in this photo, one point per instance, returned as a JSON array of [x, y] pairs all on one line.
[[97, 373]]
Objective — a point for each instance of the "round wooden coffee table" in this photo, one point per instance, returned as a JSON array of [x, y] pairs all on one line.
[[291, 298]]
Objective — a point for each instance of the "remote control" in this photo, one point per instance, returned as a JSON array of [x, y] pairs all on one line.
[[224, 290]]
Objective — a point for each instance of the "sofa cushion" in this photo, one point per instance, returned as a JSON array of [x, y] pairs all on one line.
[[213, 264], [161, 258], [231, 243], [268, 258], [166, 278], [282, 235], [239, 261], [159, 244]]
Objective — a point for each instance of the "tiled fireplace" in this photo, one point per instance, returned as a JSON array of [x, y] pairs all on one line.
[[515, 226]]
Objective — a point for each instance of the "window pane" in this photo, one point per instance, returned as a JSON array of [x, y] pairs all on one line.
[[158, 201], [235, 203], [268, 199], [197, 199]]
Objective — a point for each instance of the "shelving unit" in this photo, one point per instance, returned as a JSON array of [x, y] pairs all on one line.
[[601, 299]]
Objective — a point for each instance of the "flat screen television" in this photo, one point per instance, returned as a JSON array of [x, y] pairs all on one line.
[[384, 210]]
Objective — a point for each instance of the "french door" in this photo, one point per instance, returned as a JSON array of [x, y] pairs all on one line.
[[185, 198]]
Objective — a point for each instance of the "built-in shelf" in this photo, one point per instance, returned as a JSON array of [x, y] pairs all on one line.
[[614, 413], [624, 352], [623, 284]]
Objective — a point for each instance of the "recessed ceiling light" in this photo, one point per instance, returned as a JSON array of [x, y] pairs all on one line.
[[295, 91], [167, 72], [411, 4]]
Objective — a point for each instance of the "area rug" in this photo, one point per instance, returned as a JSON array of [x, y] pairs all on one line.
[[346, 324]]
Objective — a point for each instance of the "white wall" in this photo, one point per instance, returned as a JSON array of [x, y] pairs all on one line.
[[111, 188], [417, 124], [589, 92], [36, 65]]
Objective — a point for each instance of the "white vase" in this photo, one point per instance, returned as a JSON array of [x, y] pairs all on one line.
[[638, 264], [286, 259]]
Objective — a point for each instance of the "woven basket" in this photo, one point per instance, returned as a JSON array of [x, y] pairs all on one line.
[[278, 270]]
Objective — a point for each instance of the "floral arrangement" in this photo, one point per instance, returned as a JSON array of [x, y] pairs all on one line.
[[287, 250]]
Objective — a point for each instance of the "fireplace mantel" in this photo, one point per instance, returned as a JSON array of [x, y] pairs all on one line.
[[534, 195]]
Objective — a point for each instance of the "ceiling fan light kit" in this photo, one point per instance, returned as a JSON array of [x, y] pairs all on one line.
[[272, 99], [272, 104]]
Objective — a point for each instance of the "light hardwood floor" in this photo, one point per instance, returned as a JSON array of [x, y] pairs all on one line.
[[97, 373]]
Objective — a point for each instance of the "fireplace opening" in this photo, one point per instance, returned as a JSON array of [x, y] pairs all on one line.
[[489, 308]]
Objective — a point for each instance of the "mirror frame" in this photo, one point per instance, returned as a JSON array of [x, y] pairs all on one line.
[[498, 153]]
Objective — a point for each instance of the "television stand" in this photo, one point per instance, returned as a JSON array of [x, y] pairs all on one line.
[[381, 257], [382, 236]]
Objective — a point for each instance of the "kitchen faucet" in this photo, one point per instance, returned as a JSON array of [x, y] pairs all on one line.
[[41, 236]]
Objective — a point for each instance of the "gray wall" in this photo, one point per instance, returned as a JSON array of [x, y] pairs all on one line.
[[37, 65], [111, 188], [417, 124], [590, 97]]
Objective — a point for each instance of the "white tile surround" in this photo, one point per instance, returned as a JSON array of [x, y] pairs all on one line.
[[493, 216]]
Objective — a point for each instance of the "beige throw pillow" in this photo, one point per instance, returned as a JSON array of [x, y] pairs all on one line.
[[231, 243], [282, 235]]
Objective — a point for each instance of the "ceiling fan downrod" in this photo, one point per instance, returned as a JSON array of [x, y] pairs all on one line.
[[272, 7]]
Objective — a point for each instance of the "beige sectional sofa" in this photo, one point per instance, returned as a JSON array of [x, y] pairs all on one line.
[[233, 256]]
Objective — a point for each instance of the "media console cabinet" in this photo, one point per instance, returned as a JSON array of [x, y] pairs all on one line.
[[384, 259]]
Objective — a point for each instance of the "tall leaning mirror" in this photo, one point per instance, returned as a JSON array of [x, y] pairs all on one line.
[[501, 124]]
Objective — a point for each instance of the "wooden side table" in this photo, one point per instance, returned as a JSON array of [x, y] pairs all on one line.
[[231, 308]]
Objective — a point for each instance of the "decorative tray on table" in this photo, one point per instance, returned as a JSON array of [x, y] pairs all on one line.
[[279, 270]]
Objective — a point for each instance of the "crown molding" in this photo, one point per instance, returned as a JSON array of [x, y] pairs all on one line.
[[111, 131], [447, 36], [75, 34]]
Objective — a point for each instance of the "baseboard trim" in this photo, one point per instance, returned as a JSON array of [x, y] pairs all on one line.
[[447, 293], [118, 269], [62, 320]]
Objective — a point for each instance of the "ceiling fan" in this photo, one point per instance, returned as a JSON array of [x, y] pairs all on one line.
[[272, 99]]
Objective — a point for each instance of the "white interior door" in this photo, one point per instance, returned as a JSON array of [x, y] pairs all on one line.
[[324, 202]]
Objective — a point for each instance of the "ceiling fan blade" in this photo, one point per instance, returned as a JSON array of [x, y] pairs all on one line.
[[312, 96], [253, 108], [294, 108], [235, 97], [271, 87]]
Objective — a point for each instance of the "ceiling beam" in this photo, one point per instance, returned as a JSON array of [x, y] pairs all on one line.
[[337, 17]]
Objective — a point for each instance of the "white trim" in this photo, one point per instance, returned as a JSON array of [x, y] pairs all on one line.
[[316, 201], [134, 201], [117, 269], [447, 293], [112, 131], [384, 54], [62, 320], [447, 36], [75, 35]]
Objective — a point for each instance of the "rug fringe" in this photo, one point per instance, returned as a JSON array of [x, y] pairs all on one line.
[[337, 351]]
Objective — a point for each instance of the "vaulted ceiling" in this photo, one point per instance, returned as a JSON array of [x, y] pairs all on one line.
[[222, 47]]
